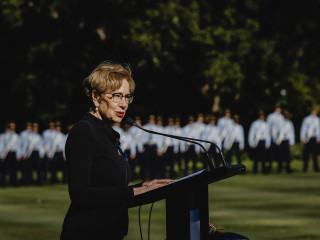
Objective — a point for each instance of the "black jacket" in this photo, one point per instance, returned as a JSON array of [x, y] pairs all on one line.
[[98, 177]]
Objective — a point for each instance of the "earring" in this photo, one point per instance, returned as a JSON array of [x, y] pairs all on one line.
[[96, 109]]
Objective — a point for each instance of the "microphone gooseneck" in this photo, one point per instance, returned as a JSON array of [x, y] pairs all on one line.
[[130, 121], [190, 140]]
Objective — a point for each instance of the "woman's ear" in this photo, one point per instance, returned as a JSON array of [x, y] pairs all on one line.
[[95, 98]]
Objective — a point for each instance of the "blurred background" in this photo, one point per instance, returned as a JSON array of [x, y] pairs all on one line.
[[187, 56]]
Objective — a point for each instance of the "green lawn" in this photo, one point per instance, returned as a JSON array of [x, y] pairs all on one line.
[[274, 206]]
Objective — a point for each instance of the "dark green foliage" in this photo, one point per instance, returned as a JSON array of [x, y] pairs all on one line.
[[184, 54]]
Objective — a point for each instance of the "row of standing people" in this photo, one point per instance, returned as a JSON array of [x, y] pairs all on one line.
[[269, 139], [157, 155], [38, 156]]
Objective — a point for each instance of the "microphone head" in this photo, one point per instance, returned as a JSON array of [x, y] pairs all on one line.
[[129, 120]]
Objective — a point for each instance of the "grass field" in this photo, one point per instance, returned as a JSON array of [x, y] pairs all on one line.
[[274, 206]]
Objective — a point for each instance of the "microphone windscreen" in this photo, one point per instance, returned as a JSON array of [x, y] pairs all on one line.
[[129, 120]]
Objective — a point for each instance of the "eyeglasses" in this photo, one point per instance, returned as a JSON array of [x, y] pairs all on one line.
[[117, 97]]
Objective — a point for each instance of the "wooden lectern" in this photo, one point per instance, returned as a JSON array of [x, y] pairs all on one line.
[[187, 211]]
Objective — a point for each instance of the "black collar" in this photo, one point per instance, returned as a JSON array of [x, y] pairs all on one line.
[[106, 127]]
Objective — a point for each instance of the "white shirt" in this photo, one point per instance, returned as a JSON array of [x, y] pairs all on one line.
[[310, 128], [258, 131]]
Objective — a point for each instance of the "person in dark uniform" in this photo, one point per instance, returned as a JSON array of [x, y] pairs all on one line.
[[99, 173]]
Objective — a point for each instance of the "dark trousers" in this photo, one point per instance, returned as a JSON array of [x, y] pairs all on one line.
[[168, 160], [284, 156], [59, 166], [260, 156], [177, 159], [51, 165], [149, 161], [310, 148], [213, 153], [138, 161], [234, 150], [204, 159], [29, 165], [190, 154], [9, 167], [273, 155], [26, 171]]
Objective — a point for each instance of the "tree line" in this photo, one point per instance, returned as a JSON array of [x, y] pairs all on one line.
[[187, 56]]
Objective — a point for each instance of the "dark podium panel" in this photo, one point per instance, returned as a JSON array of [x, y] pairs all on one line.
[[187, 210]]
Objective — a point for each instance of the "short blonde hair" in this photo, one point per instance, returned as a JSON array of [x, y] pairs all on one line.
[[107, 77]]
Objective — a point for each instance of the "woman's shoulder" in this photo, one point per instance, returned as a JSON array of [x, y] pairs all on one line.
[[85, 124]]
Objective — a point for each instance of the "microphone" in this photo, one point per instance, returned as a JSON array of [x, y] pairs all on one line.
[[191, 140]]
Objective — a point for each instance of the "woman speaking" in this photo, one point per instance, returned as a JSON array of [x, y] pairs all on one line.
[[98, 171]]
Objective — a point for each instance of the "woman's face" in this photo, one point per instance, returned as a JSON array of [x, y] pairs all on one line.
[[108, 108]]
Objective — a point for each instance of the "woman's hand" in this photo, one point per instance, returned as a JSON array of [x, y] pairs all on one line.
[[149, 186]]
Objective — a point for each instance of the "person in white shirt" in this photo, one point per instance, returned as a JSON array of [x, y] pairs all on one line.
[[26, 150], [274, 121], [234, 141], [128, 147], [259, 141], [10, 154], [310, 137], [189, 131], [117, 127], [199, 126], [58, 160], [137, 140], [211, 134], [168, 149], [178, 144], [32, 153], [158, 166], [48, 136], [150, 148], [224, 124], [285, 140], [38, 153], [54, 143]]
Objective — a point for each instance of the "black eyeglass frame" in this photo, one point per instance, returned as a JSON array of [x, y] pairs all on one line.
[[117, 97]]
